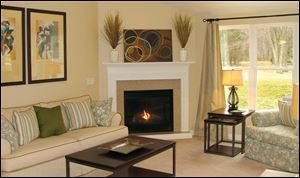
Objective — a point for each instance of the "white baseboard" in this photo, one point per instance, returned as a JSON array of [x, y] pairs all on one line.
[[170, 136]]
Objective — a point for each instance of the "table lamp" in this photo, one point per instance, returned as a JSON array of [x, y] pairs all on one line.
[[232, 78], [295, 102]]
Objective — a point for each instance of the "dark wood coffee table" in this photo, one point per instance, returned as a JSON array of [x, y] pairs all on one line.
[[122, 165]]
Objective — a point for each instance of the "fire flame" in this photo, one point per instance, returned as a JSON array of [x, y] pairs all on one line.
[[146, 115]]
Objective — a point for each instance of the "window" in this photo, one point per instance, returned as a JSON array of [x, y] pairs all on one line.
[[265, 54]]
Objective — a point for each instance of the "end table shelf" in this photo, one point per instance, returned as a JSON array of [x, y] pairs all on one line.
[[223, 150]]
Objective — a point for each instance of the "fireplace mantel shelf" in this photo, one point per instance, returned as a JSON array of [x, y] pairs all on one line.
[[120, 64]]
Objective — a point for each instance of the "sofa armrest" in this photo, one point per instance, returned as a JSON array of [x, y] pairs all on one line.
[[265, 118], [5, 148], [116, 118]]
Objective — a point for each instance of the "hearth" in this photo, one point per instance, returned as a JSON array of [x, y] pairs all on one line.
[[149, 111]]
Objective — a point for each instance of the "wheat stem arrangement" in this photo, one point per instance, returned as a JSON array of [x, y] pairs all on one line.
[[112, 30], [183, 27]]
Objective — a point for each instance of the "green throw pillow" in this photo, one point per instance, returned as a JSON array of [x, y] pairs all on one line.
[[50, 121]]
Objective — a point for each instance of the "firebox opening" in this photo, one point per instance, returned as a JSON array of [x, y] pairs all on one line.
[[148, 111]]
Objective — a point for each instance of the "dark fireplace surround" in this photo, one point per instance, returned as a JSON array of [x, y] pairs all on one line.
[[149, 111]]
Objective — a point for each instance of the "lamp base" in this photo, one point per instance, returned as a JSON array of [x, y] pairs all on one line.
[[232, 107], [233, 99]]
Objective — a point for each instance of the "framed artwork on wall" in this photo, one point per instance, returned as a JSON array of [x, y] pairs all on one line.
[[147, 45], [47, 54], [12, 46]]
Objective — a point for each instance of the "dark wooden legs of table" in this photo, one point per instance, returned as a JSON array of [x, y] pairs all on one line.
[[67, 168], [132, 171], [243, 137], [174, 161], [217, 148]]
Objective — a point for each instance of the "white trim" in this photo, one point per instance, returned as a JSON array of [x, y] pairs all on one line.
[[252, 75], [152, 71]]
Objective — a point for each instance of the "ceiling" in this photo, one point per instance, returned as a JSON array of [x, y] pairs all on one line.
[[221, 9]]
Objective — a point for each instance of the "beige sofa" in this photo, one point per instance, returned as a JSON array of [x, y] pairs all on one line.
[[45, 156]]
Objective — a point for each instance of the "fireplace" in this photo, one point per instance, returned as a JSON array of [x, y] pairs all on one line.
[[148, 111]]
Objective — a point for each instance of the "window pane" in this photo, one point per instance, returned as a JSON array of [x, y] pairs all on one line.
[[234, 47], [272, 86], [242, 92], [275, 46]]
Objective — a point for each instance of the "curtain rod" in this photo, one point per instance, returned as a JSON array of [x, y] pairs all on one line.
[[250, 17]]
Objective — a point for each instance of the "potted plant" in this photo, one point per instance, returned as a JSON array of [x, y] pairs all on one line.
[[113, 33], [183, 27]]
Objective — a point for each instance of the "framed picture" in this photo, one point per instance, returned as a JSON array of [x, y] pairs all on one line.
[[47, 55], [12, 46], [147, 45]]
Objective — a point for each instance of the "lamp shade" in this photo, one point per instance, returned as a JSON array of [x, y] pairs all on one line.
[[232, 77], [295, 101]]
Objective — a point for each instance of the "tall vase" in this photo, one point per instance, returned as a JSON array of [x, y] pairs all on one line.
[[114, 55], [183, 54]]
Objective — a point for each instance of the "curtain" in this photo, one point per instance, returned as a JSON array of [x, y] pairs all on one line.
[[211, 93]]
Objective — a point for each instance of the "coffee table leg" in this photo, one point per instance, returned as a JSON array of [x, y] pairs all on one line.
[[67, 168], [174, 160]]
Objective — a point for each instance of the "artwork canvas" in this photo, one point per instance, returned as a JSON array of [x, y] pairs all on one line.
[[47, 41], [46, 46], [12, 46], [147, 45]]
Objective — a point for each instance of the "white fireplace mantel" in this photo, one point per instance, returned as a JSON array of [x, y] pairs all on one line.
[[152, 71]]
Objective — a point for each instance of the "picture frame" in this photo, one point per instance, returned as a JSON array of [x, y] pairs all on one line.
[[47, 46], [13, 71]]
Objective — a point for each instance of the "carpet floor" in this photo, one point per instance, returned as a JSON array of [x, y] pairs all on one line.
[[191, 161]]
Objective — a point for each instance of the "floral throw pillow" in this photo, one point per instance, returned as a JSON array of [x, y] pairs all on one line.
[[101, 110], [9, 133]]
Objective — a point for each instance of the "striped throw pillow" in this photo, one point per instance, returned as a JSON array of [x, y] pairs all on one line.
[[26, 125], [285, 114], [79, 114]]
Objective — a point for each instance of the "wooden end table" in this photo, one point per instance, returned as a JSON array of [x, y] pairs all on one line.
[[221, 117], [123, 165]]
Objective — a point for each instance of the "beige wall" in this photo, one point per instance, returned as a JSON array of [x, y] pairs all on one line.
[[151, 15], [82, 54]]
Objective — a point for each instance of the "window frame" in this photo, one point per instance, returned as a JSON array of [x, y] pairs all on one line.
[[253, 68]]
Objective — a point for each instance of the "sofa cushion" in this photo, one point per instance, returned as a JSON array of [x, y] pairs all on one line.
[[8, 112], [59, 103], [101, 110], [79, 114], [285, 114], [50, 121], [26, 125], [89, 137], [279, 135], [39, 151], [9, 133]]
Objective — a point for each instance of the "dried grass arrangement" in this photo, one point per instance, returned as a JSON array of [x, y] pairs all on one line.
[[183, 27], [113, 30]]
